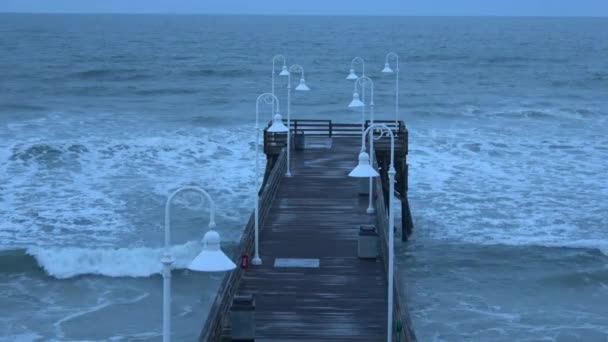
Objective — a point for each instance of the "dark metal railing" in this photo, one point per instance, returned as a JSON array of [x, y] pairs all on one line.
[[273, 142], [328, 128]]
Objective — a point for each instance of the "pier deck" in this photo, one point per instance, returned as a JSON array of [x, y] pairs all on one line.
[[316, 215], [312, 286]]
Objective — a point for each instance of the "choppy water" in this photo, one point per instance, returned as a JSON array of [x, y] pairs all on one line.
[[101, 116]]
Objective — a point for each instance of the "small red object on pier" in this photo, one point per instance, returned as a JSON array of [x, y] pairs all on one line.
[[244, 261]]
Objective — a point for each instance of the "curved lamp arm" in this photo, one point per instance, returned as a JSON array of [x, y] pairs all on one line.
[[168, 211], [274, 59], [360, 81], [266, 98], [384, 128], [358, 60], [392, 55], [297, 68]]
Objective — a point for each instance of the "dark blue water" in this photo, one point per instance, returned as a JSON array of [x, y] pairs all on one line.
[[101, 116]]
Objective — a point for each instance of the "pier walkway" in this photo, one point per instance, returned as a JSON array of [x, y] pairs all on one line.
[[315, 216], [312, 286]]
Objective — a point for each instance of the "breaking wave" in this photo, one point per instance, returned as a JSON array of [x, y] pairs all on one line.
[[68, 262]]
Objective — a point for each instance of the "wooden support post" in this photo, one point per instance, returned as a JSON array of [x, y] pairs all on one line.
[[406, 219]]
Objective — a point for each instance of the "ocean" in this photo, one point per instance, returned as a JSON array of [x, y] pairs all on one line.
[[102, 116]]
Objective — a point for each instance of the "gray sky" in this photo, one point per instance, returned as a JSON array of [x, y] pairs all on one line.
[[372, 7]]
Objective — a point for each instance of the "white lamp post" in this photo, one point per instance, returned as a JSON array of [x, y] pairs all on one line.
[[363, 170], [276, 127], [353, 76], [283, 72], [355, 103], [358, 103], [301, 87], [387, 70], [211, 259]]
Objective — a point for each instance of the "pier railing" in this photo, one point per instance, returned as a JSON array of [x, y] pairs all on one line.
[[332, 129], [404, 330], [306, 129], [212, 329]]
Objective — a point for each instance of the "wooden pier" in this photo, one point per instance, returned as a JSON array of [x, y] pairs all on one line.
[[312, 286]]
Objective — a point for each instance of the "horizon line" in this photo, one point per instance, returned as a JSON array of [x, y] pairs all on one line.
[[311, 14]]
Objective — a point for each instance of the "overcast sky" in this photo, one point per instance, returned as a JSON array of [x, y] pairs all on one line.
[[372, 7]]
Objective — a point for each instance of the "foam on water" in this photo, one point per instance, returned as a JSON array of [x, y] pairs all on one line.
[[487, 190], [113, 262], [95, 187], [535, 183], [103, 303]]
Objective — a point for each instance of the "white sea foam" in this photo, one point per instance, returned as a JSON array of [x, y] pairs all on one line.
[[113, 262], [101, 185], [532, 112], [511, 185], [101, 305]]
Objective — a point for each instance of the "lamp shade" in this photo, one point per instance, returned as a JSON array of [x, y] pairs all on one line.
[[364, 169], [302, 86], [211, 259], [387, 69], [277, 125], [356, 102], [352, 75], [284, 72]]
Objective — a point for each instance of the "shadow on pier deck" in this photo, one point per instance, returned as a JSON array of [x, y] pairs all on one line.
[[313, 218]]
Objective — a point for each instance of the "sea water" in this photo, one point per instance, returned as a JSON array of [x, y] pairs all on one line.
[[102, 116]]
